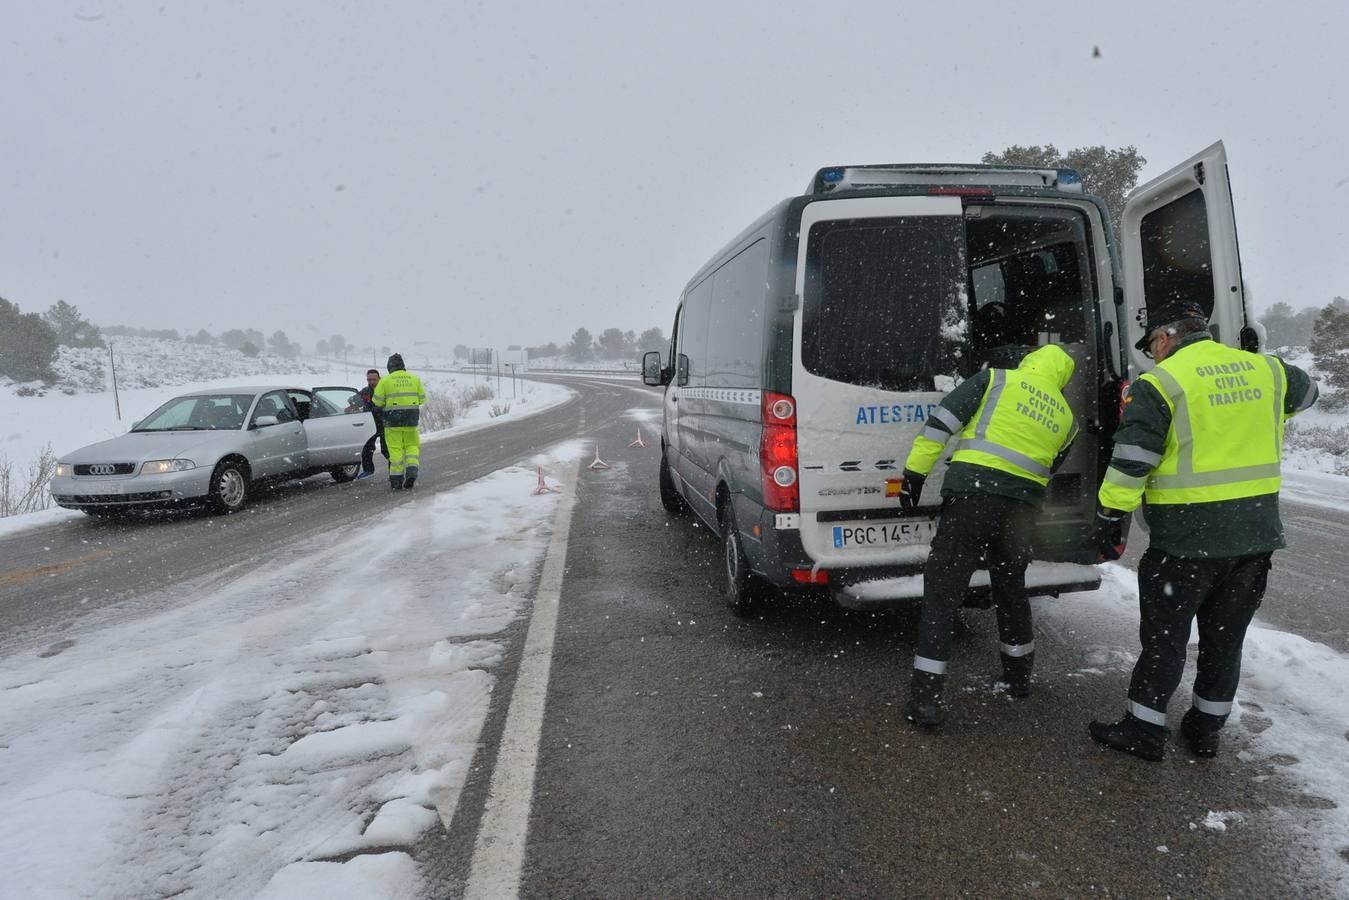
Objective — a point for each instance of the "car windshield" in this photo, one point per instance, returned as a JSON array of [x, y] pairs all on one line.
[[204, 412]]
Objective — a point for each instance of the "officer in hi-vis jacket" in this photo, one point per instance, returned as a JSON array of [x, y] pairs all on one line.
[[1014, 428]]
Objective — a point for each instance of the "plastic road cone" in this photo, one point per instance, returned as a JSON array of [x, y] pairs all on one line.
[[543, 487], [598, 463], [639, 442]]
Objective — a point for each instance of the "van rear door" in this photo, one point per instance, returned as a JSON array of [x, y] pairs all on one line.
[[879, 337], [1178, 239]]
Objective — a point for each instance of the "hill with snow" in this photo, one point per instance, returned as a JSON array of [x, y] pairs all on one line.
[[152, 363]]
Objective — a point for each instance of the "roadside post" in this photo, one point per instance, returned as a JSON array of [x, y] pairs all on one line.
[[116, 400]]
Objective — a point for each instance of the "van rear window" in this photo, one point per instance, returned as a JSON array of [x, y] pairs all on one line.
[[885, 302]]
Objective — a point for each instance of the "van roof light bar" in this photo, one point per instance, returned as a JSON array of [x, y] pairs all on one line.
[[857, 178]]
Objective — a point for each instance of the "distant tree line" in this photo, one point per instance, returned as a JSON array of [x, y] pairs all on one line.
[[1329, 345], [612, 343], [28, 341]]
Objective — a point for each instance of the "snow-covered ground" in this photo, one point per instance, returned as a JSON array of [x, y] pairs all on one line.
[[300, 751], [1292, 688]]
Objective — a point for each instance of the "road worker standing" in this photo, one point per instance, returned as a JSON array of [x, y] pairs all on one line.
[[1200, 444], [400, 396], [1015, 427]]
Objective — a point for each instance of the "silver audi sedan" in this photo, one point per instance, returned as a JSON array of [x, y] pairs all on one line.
[[214, 446]]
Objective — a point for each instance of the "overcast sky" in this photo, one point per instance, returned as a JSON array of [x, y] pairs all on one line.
[[499, 173]]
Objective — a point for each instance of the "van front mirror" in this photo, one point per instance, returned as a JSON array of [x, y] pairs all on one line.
[[651, 369], [683, 370]]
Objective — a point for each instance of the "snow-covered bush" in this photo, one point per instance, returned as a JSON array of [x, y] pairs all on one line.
[[439, 411], [24, 490]]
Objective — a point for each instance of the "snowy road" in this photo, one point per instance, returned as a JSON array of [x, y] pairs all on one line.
[[300, 717]]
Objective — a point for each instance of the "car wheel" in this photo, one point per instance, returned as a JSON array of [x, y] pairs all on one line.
[[669, 494], [743, 590], [229, 488], [343, 474]]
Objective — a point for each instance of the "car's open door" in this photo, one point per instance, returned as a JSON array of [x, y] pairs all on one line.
[[1178, 240], [338, 426]]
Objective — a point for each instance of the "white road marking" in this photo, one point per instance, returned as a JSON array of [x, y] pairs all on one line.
[[499, 853]]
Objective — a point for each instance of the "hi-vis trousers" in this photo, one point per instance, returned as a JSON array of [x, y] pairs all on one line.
[[404, 446]]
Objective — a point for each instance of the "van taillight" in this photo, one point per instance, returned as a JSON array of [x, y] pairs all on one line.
[[777, 453]]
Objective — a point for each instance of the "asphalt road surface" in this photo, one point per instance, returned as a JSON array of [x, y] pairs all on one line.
[[686, 752]]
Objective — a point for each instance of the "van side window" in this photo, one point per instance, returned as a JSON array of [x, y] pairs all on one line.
[[670, 361], [693, 331], [735, 346], [1177, 263]]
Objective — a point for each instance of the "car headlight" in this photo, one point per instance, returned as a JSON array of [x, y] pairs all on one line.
[[160, 466], [64, 469]]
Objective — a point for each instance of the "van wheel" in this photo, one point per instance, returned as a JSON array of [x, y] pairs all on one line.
[[229, 488], [669, 494], [744, 590]]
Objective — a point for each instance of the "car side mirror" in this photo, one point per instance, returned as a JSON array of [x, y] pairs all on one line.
[[683, 370], [652, 372], [264, 421]]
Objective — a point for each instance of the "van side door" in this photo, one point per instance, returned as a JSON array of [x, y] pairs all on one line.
[[1178, 240]]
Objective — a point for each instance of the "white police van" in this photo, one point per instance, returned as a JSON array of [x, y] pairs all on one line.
[[809, 353]]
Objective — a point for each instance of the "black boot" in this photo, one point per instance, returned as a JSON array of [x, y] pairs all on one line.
[[1132, 735], [411, 477], [1200, 731], [1016, 674], [396, 482], [924, 706]]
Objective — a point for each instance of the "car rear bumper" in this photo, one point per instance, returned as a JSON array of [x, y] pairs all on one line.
[[76, 492]]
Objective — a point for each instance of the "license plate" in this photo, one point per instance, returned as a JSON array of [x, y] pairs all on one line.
[[883, 534]]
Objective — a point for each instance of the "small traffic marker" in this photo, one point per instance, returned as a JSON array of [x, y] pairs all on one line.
[[598, 463], [543, 486], [639, 442]]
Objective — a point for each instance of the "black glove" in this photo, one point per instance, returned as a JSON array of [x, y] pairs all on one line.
[[1109, 534], [911, 490]]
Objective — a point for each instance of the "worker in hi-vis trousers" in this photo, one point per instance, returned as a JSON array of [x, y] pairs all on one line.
[[1200, 445], [1014, 429], [400, 395]]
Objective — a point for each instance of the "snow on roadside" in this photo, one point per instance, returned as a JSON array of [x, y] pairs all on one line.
[[1292, 688], [293, 733]]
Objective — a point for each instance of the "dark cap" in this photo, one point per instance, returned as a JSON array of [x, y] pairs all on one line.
[[1165, 314], [395, 363]]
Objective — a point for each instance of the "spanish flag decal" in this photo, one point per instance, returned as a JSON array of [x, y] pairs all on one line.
[[892, 486]]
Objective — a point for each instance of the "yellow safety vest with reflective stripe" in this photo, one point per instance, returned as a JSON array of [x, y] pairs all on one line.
[[1021, 425], [1233, 401], [401, 395]]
